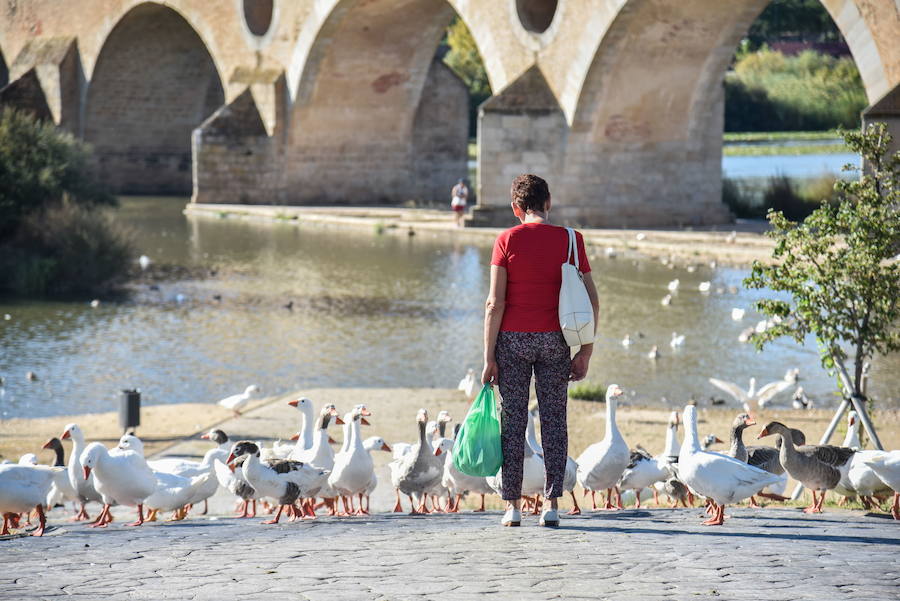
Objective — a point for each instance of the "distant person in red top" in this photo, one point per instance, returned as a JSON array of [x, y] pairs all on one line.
[[522, 337]]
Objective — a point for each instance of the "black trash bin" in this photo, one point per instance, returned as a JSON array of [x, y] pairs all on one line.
[[130, 409]]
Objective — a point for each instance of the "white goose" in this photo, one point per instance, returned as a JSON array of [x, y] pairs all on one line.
[[469, 384], [570, 479], [122, 477], [719, 477], [84, 487], [437, 491], [887, 466], [282, 479], [645, 470], [62, 490], [236, 484], [307, 422], [236, 402], [353, 466], [173, 493], [601, 465], [24, 488], [459, 484], [760, 397], [372, 443], [860, 479]]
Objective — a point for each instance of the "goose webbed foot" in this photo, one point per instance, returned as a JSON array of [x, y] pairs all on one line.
[[42, 520], [754, 504], [718, 518], [576, 510], [277, 516], [140, 519]]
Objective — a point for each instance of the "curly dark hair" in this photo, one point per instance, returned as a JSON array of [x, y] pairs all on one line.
[[530, 192]]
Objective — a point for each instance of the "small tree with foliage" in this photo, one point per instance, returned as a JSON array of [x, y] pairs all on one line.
[[840, 267]]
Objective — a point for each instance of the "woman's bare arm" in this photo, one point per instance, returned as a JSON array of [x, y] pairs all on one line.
[[493, 315]]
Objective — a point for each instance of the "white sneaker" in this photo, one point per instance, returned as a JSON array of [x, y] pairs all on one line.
[[512, 517], [549, 517]]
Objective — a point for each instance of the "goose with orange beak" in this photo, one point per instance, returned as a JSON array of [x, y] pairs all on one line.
[[817, 467], [718, 477], [353, 466], [280, 479], [122, 477], [83, 487]]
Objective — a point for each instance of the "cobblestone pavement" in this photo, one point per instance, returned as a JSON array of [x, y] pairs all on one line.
[[769, 554]]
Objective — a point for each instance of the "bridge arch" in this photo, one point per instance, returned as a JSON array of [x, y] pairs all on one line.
[[377, 118], [646, 125], [153, 82]]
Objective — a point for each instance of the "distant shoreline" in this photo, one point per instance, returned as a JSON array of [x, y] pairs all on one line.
[[737, 244]]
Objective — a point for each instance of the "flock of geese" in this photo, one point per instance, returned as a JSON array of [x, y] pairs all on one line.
[[298, 478]]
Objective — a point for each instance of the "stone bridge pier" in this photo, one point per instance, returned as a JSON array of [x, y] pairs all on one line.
[[618, 103]]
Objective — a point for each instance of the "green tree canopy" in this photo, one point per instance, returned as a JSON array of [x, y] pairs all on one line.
[[839, 267]]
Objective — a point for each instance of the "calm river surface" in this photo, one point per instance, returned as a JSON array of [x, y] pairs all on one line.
[[368, 311]]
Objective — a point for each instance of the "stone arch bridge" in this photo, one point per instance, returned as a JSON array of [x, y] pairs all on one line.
[[617, 102]]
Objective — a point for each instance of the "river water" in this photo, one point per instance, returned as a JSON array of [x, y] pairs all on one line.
[[368, 310]]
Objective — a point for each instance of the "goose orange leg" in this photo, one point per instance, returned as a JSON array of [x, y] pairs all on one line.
[[814, 506], [718, 518], [895, 508], [481, 509], [140, 519], [576, 510], [398, 508], [277, 516]]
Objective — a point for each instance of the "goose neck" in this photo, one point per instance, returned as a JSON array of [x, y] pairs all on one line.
[[355, 438], [737, 441], [672, 447], [691, 440], [60, 457], [611, 428]]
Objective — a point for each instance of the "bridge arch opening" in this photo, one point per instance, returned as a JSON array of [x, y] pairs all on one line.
[[258, 15], [647, 128], [153, 83], [536, 15], [379, 117]]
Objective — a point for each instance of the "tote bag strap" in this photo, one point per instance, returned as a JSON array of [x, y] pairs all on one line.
[[573, 248]]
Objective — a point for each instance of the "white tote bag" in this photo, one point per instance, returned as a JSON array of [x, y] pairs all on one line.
[[576, 314]]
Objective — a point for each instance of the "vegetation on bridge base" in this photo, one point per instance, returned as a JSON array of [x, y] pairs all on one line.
[[55, 237]]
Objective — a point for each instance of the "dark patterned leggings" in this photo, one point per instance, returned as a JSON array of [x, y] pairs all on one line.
[[547, 355]]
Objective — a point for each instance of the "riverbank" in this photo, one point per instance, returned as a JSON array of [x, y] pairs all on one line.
[[175, 429], [737, 244]]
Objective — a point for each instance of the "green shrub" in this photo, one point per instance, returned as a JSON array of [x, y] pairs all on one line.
[[67, 249], [588, 391], [797, 201], [768, 91], [40, 166]]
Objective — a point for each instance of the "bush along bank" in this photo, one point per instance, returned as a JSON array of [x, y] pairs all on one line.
[[795, 198], [768, 91], [56, 236]]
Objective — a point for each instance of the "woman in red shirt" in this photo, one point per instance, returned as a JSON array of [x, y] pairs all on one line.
[[522, 337]]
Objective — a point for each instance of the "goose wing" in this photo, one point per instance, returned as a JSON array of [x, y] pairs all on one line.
[[765, 458], [638, 455], [830, 454], [770, 390], [285, 466], [731, 388]]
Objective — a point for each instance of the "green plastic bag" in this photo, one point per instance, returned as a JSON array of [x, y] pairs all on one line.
[[477, 450]]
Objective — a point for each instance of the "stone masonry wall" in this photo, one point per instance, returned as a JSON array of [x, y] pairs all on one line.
[[440, 135], [153, 84], [235, 160]]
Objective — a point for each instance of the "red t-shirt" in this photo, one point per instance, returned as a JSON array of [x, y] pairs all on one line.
[[532, 254]]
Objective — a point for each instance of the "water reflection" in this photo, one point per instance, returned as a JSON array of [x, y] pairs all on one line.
[[367, 311]]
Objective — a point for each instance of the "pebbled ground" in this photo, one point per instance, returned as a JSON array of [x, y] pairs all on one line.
[[770, 554]]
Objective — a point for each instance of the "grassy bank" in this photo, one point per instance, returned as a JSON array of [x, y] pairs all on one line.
[[751, 150]]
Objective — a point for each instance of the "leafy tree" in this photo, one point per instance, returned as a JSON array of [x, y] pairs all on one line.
[[806, 20], [462, 56], [840, 267], [40, 166]]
